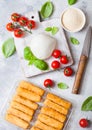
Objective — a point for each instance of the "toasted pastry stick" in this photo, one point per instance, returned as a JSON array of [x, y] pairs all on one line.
[[25, 102], [31, 87], [56, 107], [19, 114], [35, 128], [22, 108], [43, 126], [17, 121], [50, 121], [53, 113], [28, 94], [59, 100]]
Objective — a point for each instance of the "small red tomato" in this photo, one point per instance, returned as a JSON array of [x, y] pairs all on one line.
[[31, 24], [18, 33], [68, 71], [23, 21], [64, 59], [83, 123], [15, 17], [48, 83], [55, 64], [56, 53], [10, 27]]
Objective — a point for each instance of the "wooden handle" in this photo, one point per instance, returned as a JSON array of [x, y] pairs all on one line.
[[81, 67]]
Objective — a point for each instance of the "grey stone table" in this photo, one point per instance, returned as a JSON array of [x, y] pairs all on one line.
[[10, 70]]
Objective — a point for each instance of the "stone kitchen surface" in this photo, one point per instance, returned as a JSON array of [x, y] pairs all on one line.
[[10, 68]]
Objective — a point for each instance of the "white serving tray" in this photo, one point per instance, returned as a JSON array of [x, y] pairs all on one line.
[[21, 43]]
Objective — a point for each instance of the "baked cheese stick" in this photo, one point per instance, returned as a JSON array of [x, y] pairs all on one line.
[[50, 121], [17, 121], [31, 87], [59, 100], [25, 102], [22, 108], [56, 107], [43, 126], [53, 113], [35, 128], [19, 114], [28, 94]]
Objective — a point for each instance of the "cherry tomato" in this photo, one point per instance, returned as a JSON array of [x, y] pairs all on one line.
[[15, 17], [68, 71], [48, 83], [55, 64], [10, 27], [23, 21], [56, 53], [18, 33], [83, 123], [64, 59], [31, 24]]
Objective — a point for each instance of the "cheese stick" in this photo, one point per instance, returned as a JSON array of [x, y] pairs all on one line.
[[43, 126], [17, 121], [31, 87], [25, 102], [19, 114], [59, 100], [56, 107], [50, 121], [35, 128], [22, 108], [28, 94], [53, 113]]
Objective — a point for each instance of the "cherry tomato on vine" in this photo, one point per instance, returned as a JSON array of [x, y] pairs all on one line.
[[15, 17], [56, 53], [64, 59], [10, 27], [18, 33], [83, 123], [68, 71], [23, 21], [55, 64], [31, 24], [48, 83]]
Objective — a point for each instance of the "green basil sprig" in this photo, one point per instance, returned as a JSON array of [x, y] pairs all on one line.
[[62, 85], [40, 64], [8, 47], [74, 41], [71, 2], [87, 104], [53, 30], [47, 9]]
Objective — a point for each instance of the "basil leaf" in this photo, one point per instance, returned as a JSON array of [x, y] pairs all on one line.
[[71, 2], [47, 9], [62, 85], [74, 41], [54, 30], [8, 47], [48, 29], [87, 104], [40, 64]]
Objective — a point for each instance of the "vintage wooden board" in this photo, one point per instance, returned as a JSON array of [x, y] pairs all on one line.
[[21, 43]]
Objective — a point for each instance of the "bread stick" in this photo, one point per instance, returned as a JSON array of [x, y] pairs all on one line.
[[28, 94], [22, 108], [59, 100], [35, 128], [56, 107], [53, 113], [25, 102], [50, 121], [31, 87], [17, 121], [19, 114], [43, 126]]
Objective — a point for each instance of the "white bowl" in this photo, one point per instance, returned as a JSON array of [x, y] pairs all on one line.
[[74, 21]]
